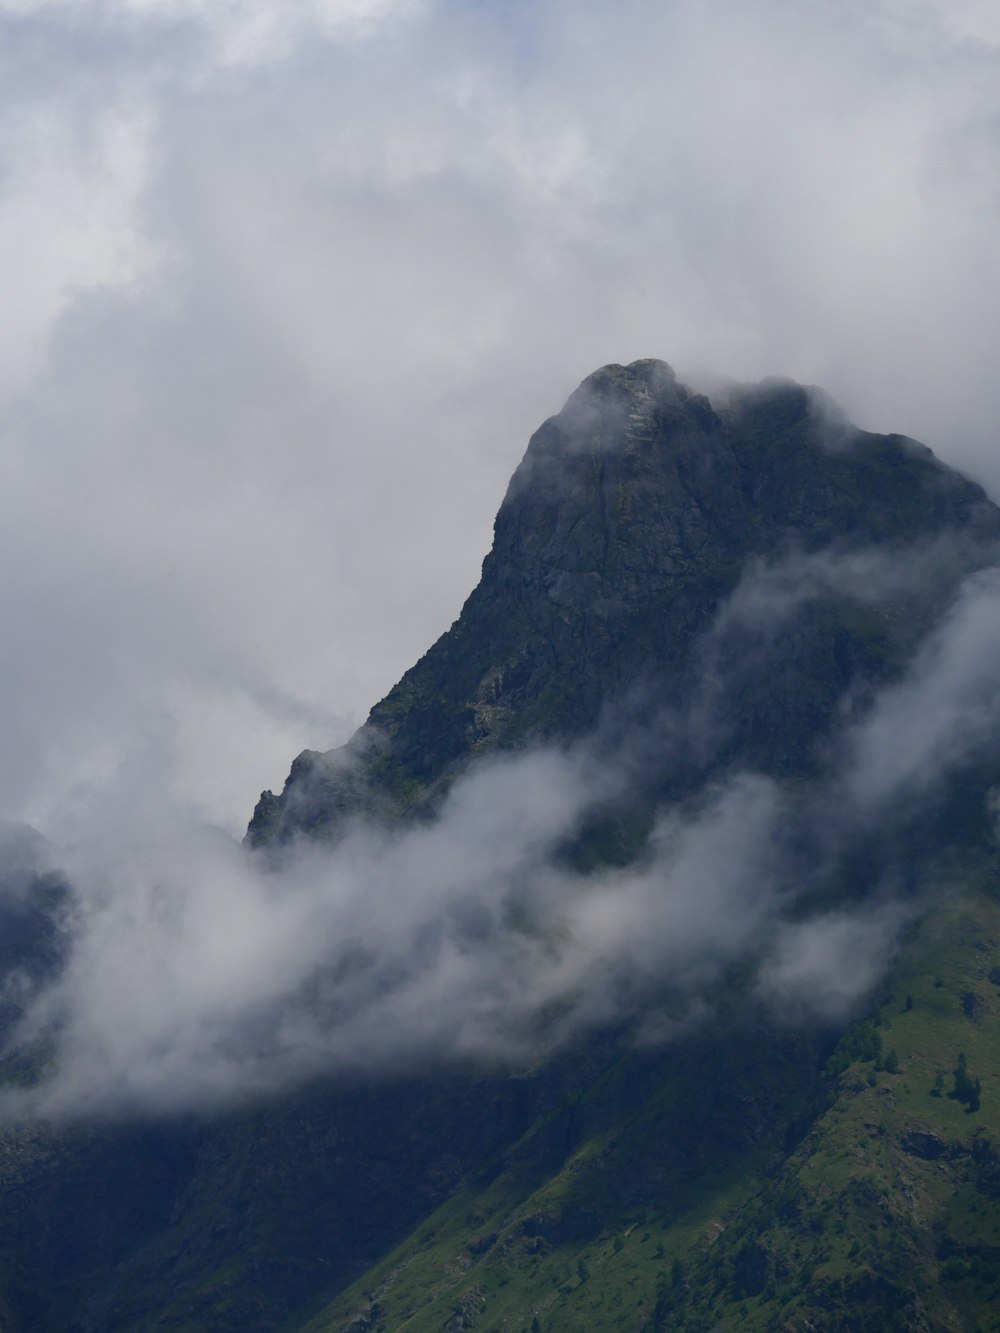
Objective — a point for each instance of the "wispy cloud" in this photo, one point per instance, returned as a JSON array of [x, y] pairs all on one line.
[[198, 972]]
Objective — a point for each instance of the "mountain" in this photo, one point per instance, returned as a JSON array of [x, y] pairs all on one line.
[[636, 513], [790, 1120]]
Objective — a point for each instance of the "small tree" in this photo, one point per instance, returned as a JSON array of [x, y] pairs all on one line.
[[962, 1091], [966, 1089]]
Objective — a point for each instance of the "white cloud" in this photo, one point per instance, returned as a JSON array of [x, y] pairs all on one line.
[[820, 966], [927, 24], [243, 33], [945, 711], [199, 973], [69, 199], [196, 976]]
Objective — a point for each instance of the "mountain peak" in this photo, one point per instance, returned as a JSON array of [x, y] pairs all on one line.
[[633, 517], [646, 376]]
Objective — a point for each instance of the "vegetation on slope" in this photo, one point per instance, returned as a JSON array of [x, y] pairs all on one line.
[[884, 1214]]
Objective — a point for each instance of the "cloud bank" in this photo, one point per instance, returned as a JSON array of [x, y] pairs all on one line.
[[199, 973]]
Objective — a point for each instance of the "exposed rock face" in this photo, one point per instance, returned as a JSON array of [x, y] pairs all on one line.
[[633, 516]]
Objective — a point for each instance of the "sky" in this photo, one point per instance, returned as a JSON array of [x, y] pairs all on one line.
[[287, 287]]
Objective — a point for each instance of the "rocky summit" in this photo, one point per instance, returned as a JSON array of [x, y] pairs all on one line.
[[635, 514], [798, 1130]]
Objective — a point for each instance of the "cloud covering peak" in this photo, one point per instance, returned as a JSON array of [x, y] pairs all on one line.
[[198, 973]]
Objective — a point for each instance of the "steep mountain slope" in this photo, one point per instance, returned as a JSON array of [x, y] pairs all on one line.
[[685, 592], [634, 515]]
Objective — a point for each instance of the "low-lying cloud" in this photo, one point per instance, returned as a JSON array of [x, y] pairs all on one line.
[[945, 711], [199, 973]]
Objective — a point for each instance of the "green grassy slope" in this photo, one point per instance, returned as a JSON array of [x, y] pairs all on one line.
[[582, 1243], [888, 1213], [696, 1213]]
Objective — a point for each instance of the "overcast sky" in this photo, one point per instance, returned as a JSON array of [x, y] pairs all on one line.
[[287, 285]]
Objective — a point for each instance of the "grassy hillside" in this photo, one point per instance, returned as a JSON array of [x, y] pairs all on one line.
[[701, 1211], [887, 1215]]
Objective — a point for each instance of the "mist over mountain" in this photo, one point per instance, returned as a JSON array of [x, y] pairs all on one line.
[[711, 703], [716, 732]]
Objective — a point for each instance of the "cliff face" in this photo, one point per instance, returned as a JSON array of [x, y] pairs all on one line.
[[633, 517]]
